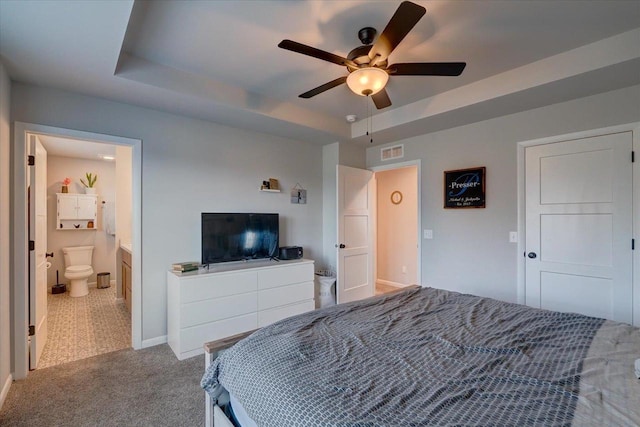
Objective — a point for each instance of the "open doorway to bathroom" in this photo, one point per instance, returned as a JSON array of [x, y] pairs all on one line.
[[92, 315], [397, 227]]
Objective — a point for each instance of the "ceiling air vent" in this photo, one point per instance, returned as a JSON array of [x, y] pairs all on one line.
[[395, 152]]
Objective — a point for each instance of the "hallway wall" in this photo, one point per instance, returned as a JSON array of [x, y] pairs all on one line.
[[397, 227]]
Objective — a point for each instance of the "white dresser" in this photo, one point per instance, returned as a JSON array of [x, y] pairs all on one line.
[[233, 298]]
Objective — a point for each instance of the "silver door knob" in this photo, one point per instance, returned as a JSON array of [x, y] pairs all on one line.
[[532, 255]]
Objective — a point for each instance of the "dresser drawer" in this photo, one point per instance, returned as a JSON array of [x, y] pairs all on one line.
[[285, 275], [284, 295], [199, 312], [194, 338], [198, 288]]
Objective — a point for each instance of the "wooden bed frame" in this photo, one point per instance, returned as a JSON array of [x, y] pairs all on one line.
[[213, 414]]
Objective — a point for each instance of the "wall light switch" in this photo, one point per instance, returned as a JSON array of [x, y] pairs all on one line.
[[513, 237], [428, 234]]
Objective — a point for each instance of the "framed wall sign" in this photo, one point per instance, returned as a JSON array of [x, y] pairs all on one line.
[[464, 188]]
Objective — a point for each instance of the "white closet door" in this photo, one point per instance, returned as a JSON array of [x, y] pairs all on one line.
[[579, 226]]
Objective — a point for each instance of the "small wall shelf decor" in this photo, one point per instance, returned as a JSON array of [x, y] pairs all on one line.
[[464, 188], [271, 185]]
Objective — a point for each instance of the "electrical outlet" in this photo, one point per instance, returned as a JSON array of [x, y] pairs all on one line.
[[404, 269], [428, 234], [513, 237]]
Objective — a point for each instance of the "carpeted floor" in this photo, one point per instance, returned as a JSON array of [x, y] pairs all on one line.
[[148, 387]]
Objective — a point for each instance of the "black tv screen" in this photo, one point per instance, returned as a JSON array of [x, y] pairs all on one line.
[[239, 236]]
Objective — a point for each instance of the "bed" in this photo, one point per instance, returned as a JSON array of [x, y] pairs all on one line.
[[429, 357]]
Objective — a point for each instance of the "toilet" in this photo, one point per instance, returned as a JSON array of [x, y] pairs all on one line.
[[77, 260]]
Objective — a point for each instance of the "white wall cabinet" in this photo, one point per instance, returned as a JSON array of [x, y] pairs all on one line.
[[208, 306], [77, 211]]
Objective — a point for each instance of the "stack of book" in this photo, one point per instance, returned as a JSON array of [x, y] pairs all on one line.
[[183, 267]]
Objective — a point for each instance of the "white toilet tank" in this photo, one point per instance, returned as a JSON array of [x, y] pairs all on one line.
[[77, 255]]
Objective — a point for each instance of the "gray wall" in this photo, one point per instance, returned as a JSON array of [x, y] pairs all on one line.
[[190, 166], [338, 153], [330, 157], [470, 251], [5, 245]]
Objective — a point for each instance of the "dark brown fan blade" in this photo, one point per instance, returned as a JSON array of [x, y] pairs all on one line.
[[315, 53], [381, 99], [324, 87], [405, 18], [427, 69]]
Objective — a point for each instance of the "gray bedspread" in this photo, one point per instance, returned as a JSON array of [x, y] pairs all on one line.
[[421, 357]]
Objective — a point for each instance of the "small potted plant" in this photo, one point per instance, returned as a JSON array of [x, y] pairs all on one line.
[[65, 185], [89, 184]]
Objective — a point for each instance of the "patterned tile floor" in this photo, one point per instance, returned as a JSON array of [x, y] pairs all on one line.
[[86, 326]]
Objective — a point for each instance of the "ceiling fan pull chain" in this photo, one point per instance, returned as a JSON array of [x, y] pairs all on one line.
[[366, 108], [370, 133]]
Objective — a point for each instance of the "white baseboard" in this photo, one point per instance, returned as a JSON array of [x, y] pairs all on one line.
[[5, 389], [390, 283], [162, 339]]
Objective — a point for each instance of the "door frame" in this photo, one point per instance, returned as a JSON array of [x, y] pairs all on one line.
[[521, 265], [20, 236], [391, 166]]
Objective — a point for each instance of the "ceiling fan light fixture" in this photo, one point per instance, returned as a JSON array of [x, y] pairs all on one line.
[[367, 81]]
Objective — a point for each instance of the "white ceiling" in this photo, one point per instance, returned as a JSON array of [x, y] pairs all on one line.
[[79, 149], [219, 60]]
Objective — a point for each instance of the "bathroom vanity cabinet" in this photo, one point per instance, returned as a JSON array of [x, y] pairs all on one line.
[[126, 277], [77, 211]]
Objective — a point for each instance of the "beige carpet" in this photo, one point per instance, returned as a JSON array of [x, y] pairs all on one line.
[[85, 326]]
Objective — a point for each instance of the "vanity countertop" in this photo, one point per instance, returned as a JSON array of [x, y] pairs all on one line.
[[126, 246]]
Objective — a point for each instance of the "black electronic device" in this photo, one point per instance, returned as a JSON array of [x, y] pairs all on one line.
[[239, 236], [290, 252]]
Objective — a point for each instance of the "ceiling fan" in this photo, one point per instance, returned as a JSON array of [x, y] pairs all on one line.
[[367, 64]]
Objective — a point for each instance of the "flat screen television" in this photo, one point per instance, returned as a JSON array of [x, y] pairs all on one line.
[[230, 237]]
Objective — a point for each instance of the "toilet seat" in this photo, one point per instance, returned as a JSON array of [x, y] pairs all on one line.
[[79, 269]]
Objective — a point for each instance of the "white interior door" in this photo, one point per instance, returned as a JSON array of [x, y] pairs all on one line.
[[356, 202], [579, 226], [37, 257]]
